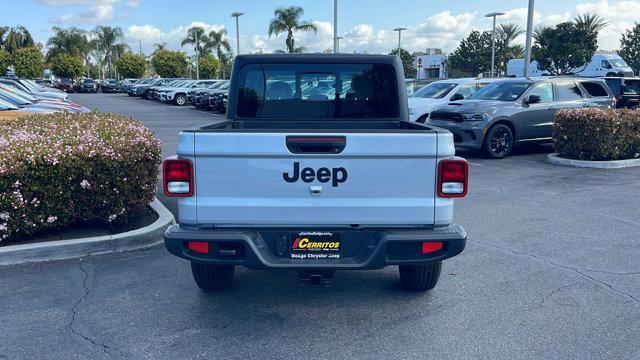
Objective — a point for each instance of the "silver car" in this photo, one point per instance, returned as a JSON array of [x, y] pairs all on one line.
[[510, 112]]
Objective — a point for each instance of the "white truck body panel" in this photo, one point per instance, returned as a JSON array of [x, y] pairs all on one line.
[[239, 180]]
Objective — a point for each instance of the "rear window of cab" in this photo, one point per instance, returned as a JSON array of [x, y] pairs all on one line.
[[306, 91]]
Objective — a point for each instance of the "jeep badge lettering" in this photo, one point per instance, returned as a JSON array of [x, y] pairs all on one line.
[[323, 175]]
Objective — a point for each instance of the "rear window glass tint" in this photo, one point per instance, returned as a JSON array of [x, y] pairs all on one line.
[[306, 91], [568, 91], [595, 89]]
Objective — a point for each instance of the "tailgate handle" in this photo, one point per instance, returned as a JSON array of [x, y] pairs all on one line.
[[316, 144]]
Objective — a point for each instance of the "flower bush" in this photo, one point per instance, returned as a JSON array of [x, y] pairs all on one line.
[[597, 134], [61, 168]]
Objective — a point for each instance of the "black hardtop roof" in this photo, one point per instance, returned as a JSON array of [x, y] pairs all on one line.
[[321, 58]]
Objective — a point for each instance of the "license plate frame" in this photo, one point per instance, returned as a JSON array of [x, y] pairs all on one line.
[[315, 245]]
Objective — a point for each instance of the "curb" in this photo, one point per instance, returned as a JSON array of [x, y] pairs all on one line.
[[145, 237], [613, 164]]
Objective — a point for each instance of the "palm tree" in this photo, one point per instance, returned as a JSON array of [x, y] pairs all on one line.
[[590, 22], [217, 43], [159, 46], [226, 61], [508, 33], [288, 20], [71, 41], [3, 32], [196, 36], [107, 38], [17, 37], [119, 50]]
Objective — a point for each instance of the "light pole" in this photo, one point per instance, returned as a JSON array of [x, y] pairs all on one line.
[[493, 41], [399, 30], [195, 32], [140, 45], [336, 39], [237, 15], [527, 48]]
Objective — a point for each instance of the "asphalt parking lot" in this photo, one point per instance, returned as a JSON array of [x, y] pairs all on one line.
[[550, 271]]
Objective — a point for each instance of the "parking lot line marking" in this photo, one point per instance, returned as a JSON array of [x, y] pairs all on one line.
[[475, 164]]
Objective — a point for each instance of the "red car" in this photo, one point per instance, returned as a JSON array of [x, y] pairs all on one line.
[[66, 85]]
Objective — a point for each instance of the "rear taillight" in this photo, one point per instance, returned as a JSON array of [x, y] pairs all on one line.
[[453, 178], [201, 247], [177, 176]]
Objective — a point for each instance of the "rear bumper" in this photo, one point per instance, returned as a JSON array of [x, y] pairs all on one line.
[[367, 248]]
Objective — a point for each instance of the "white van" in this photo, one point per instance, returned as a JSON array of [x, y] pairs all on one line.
[[605, 64], [515, 68], [602, 64], [440, 93]]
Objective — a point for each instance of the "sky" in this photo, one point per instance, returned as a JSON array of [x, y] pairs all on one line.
[[366, 25]]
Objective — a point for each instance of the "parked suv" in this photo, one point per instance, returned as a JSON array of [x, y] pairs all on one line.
[[517, 111], [87, 85], [626, 91], [439, 93]]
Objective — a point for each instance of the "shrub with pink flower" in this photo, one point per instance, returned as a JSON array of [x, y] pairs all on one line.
[[597, 134], [61, 168]]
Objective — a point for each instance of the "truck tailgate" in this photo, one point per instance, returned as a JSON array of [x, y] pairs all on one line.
[[254, 178]]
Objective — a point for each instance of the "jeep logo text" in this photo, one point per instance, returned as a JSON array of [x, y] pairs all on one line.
[[323, 175]]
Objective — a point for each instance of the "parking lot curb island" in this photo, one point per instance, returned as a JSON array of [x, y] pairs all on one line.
[[144, 237], [613, 164]]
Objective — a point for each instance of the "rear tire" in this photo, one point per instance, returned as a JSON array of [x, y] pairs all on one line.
[[420, 277], [213, 277]]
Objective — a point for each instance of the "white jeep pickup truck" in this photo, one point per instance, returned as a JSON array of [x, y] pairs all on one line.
[[316, 168]]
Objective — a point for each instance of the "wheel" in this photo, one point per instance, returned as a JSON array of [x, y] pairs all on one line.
[[212, 277], [498, 142], [420, 277], [180, 99]]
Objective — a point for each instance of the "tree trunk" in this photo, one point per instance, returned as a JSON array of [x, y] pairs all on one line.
[[290, 42]]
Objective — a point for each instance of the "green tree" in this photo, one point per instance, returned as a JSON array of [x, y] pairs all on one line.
[[28, 62], [17, 37], [562, 49], [131, 65], [168, 63], [68, 66], [472, 57], [217, 43], [70, 41], [288, 20], [407, 62], [630, 47], [107, 39], [5, 61], [209, 67]]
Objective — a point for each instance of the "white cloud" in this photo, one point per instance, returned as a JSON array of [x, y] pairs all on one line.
[[621, 15], [95, 14], [132, 4], [149, 35], [442, 30]]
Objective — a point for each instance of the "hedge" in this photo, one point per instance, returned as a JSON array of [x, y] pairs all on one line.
[[597, 134], [63, 168]]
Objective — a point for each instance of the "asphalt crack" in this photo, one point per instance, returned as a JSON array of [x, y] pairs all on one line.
[[105, 348], [576, 270]]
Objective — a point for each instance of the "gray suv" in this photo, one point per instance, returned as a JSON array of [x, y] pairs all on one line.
[[517, 111]]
